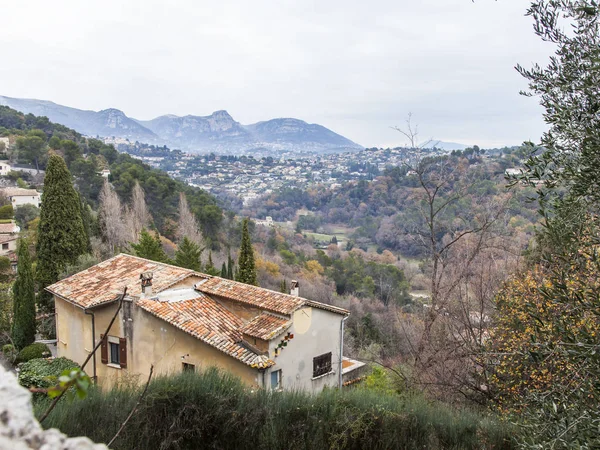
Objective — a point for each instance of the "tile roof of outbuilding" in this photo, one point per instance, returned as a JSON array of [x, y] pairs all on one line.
[[7, 228], [16, 192], [266, 326], [207, 320]]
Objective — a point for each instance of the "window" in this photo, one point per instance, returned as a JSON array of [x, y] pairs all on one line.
[[114, 353], [189, 367], [5, 246], [276, 379], [321, 365]]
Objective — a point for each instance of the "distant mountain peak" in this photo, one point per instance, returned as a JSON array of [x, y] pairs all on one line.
[[217, 132]]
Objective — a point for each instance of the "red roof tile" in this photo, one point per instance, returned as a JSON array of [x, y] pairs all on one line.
[[207, 320], [266, 326], [104, 282], [251, 295]]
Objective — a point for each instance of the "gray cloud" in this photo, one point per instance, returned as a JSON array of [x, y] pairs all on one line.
[[356, 67]]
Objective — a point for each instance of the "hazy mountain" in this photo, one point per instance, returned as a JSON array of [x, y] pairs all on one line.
[[283, 132], [108, 122], [217, 132]]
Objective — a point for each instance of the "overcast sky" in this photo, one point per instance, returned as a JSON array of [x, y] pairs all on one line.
[[355, 66]]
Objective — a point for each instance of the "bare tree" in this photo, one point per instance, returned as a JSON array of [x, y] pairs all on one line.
[[137, 216], [455, 242], [110, 218], [188, 225]]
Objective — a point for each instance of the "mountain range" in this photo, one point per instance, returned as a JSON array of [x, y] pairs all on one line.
[[217, 132]]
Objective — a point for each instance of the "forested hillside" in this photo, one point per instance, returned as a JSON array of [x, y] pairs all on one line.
[[387, 211], [34, 137]]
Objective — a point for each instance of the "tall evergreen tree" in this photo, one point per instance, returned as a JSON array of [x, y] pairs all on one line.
[[246, 265], [23, 329], [230, 265], [86, 218], [224, 270], [150, 247], [61, 233], [188, 255], [210, 267]]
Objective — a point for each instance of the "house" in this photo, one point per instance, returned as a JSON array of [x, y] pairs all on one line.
[[268, 222], [8, 244], [176, 319], [4, 168], [9, 229], [19, 197]]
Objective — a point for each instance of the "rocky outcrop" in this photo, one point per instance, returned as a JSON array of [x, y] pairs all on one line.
[[19, 430]]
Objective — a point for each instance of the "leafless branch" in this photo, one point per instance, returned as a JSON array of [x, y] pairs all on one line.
[[133, 410]]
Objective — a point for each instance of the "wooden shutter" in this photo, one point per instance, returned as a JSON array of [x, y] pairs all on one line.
[[123, 352], [104, 349]]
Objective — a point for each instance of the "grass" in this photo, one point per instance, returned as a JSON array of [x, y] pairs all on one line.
[[214, 410]]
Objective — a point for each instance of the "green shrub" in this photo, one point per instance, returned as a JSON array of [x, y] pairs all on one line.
[[6, 212], [218, 411], [33, 351], [43, 373]]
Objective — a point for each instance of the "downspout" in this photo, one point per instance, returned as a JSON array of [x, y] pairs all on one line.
[[341, 383], [262, 371], [91, 313]]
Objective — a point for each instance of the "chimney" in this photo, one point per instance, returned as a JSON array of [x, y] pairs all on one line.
[[146, 278], [295, 291]]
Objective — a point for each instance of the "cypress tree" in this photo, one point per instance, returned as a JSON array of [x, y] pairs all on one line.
[[23, 329], [230, 265], [210, 267], [246, 265], [86, 218], [283, 287], [188, 255], [224, 270], [61, 234], [150, 247]]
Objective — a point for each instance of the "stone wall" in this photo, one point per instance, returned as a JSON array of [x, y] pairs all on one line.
[[19, 430]]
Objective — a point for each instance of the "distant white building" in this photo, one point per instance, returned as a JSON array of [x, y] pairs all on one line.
[[513, 171], [105, 173], [4, 168], [268, 222], [19, 197]]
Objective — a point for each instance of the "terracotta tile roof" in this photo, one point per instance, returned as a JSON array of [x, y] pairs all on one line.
[[8, 238], [207, 320], [104, 282], [15, 191], [7, 228], [251, 295], [266, 326], [327, 307]]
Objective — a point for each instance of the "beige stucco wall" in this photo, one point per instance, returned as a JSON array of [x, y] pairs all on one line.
[[12, 247], [150, 341], [20, 200], [73, 331], [316, 332]]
